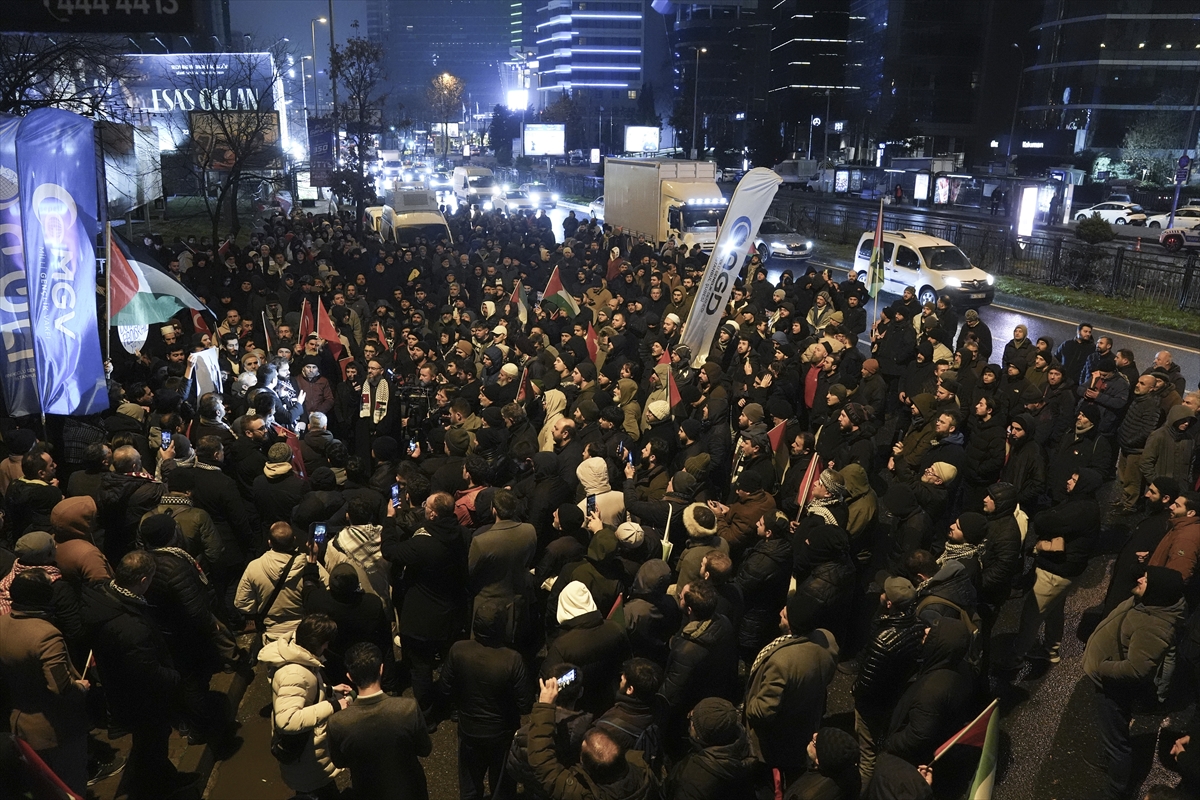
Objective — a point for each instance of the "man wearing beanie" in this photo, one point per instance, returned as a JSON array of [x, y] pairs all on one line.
[[1122, 658], [1082, 447], [721, 763], [754, 454], [835, 772], [737, 522], [786, 687], [279, 489], [886, 665]]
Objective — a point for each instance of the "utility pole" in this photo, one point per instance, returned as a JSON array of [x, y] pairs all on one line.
[[332, 82], [825, 130]]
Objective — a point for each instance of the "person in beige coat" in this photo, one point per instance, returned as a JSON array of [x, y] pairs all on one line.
[[258, 581], [300, 703], [555, 402]]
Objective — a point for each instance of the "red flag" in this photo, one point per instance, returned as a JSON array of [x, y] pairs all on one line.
[[45, 782], [776, 435], [307, 323], [199, 323], [665, 358], [293, 443], [523, 387], [811, 475], [345, 362], [377, 328], [673, 395], [973, 734], [223, 250], [328, 331], [593, 342]]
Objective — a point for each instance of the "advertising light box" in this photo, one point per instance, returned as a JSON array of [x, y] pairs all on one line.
[[641, 139], [546, 140]]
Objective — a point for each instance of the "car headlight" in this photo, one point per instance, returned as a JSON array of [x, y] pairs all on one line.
[[808, 245], [991, 280], [554, 197], [487, 205], [955, 282], [778, 247]]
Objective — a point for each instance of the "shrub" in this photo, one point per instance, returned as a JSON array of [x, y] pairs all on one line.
[[1095, 230]]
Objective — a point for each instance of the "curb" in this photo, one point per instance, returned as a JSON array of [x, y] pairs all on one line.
[[1102, 323], [205, 761]]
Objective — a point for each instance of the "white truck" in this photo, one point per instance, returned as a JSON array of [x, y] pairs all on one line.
[[800, 171], [664, 197]]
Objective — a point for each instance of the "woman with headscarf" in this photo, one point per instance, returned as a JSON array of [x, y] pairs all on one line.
[[555, 403]]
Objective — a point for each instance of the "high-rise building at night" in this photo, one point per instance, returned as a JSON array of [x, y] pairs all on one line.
[[592, 50]]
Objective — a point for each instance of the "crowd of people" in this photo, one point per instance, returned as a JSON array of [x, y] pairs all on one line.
[[623, 570]]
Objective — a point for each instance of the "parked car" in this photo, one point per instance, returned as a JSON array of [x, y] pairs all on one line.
[[514, 202], [1184, 218], [540, 194], [596, 208], [933, 266], [1176, 239], [777, 241], [1115, 213]]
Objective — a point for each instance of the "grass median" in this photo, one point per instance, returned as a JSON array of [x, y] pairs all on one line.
[[1148, 311]]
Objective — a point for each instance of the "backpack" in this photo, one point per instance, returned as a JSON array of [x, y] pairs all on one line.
[[974, 624]]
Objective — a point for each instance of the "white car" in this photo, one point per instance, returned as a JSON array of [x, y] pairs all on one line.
[[540, 194], [514, 202], [1115, 213], [1184, 218], [777, 241], [931, 265], [1176, 239], [596, 208]]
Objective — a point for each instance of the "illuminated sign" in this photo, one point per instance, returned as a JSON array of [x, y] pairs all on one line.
[[1028, 145], [545, 140], [641, 138], [1027, 210], [921, 187]]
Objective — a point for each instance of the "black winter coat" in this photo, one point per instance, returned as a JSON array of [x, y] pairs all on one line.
[[277, 497], [1002, 557], [703, 663], [985, 450], [123, 501], [434, 561], [217, 493], [597, 647], [1141, 418], [888, 662], [1026, 470], [720, 772], [181, 605], [763, 577]]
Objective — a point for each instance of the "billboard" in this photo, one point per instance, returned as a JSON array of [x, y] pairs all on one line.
[[546, 140], [168, 87], [641, 139], [220, 140], [100, 16], [322, 147]]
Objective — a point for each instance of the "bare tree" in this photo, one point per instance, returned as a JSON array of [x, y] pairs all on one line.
[[77, 73], [233, 135], [358, 67], [445, 101]]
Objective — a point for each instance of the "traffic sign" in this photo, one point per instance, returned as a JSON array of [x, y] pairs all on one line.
[[1184, 161], [1181, 175]]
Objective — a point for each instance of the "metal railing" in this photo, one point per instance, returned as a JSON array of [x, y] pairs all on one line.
[[1116, 270]]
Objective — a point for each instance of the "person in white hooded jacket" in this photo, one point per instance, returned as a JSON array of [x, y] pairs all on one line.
[[593, 478], [302, 702]]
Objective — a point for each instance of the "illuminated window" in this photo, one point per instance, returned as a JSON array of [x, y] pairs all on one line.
[[633, 94]]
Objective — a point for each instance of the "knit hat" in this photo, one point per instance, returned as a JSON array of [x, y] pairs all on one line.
[[588, 409], [157, 530], [839, 391], [715, 721], [659, 409], [855, 413], [750, 482], [693, 525], [673, 317], [1091, 412], [510, 370], [833, 482], [458, 440], [973, 526], [779, 408], [630, 535], [279, 453], [21, 441], [803, 611], [575, 601], [385, 448], [871, 366], [946, 471], [344, 581], [1164, 587], [753, 412], [36, 549], [492, 417], [836, 751], [899, 591], [683, 482], [691, 427]]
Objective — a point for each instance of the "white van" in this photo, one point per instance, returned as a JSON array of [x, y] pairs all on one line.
[[931, 265], [475, 185], [381, 220]]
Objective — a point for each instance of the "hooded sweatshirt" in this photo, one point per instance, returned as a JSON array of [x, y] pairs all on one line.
[[593, 477], [937, 703], [628, 404], [555, 403]]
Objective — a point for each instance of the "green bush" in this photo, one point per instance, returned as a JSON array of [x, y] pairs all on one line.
[[1095, 230]]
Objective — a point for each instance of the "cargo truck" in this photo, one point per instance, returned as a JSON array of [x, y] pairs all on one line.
[[663, 197]]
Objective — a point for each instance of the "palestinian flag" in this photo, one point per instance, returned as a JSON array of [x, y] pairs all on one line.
[[140, 293], [665, 358], [975, 734], [293, 442], [559, 297], [875, 273], [811, 476], [520, 303], [593, 343]]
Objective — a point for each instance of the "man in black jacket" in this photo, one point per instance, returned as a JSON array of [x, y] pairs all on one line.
[[126, 495], [1131, 562], [379, 738], [140, 679], [1141, 418], [597, 646], [30, 498], [1025, 467], [486, 682], [985, 452], [1002, 555], [887, 663], [433, 558]]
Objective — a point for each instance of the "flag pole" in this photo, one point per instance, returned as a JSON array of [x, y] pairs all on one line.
[[108, 326]]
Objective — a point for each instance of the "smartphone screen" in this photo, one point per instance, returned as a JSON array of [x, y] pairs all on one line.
[[629, 457], [395, 495], [567, 679], [166, 439], [412, 445], [591, 504], [319, 533]]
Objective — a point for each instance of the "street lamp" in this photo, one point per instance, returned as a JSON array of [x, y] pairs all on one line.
[[696, 98], [1012, 128], [160, 41], [312, 26], [218, 41]]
